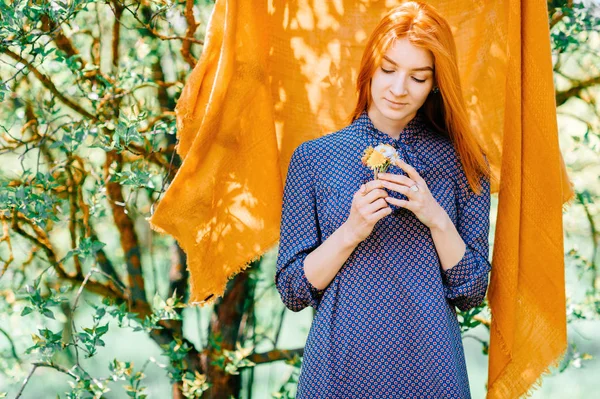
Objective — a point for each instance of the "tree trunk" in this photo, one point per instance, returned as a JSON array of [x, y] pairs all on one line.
[[225, 326]]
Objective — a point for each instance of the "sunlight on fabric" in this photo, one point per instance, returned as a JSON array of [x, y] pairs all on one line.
[[274, 76]]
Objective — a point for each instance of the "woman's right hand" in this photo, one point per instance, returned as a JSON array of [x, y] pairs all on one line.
[[368, 206]]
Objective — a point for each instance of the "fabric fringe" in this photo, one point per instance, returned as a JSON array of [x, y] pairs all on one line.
[[568, 203], [546, 373], [245, 265], [155, 227], [240, 269], [537, 384]]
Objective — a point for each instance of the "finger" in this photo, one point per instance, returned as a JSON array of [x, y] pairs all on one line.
[[399, 188], [375, 206], [400, 179], [373, 184], [381, 213], [361, 192], [410, 171], [365, 189], [374, 195], [400, 203]]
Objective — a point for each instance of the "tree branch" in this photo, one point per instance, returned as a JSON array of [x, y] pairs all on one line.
[[157, 34], [575, 91], [47, 83], [595, 239], [49, 365], [559, 15], [118, 11], [6, 237], [275, 355], [73, 194], [12, 345], [129, 239], [102, 260], [192, 25], [62, 42], [41, 240]]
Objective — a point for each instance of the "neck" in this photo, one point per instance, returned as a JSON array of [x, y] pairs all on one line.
[[391, 127]]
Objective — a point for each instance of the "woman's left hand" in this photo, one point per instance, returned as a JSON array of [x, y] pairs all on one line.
[[421, 202]]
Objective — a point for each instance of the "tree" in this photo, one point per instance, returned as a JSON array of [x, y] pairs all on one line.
[[574, 30], [88, 107]]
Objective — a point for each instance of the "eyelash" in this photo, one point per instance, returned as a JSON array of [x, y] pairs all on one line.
[[415, 79]]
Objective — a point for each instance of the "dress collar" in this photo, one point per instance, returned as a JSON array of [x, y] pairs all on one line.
[[411, 133]]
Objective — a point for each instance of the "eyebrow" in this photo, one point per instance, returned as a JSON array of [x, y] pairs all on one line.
[[426, 68]]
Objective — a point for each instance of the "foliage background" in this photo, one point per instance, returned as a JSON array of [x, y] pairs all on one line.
[[88, 293]]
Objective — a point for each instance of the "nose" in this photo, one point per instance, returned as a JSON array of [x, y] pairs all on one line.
[[398, 87]]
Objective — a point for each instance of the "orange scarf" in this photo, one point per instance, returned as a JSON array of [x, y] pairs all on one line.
[[274, 75]]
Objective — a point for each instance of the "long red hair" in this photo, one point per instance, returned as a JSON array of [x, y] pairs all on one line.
[[445, 111]]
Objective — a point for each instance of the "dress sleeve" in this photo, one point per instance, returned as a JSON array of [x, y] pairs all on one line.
[[299, 235], [465, 284]]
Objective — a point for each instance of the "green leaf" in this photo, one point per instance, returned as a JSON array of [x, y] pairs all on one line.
[[100, 312], [26, 311], [102, 329], [48, 313]]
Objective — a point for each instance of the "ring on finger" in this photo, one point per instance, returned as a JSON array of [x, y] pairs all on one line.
[[414, 188]]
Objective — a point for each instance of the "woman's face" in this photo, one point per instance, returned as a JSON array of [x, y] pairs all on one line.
[[402, 82]]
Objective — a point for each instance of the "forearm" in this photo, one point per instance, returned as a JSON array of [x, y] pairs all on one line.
[[322, 264], [448, 242]]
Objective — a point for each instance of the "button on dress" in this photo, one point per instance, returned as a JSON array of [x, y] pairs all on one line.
[[386, 325]]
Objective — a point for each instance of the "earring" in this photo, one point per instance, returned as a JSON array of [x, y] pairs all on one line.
[[435, 90]]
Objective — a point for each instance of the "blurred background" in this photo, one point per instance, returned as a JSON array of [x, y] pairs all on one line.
[[92, 302]]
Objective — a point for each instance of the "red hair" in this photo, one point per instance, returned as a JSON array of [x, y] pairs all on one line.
[[445, 111]]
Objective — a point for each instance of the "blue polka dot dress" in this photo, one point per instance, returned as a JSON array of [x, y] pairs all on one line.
[[386, 325]]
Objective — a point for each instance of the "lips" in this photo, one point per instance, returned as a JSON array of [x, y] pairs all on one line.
[[395, 103]]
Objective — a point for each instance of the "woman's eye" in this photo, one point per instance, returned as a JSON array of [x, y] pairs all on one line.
[[391, 71]]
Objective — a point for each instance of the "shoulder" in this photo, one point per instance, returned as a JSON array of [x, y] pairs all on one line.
[[328, 141], [320, 149]]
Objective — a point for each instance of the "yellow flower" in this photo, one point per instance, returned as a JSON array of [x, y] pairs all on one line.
[[366, 154], [376, 160], [379, 158]]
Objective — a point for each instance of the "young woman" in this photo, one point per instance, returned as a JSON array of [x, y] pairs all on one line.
[[385, 261]]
